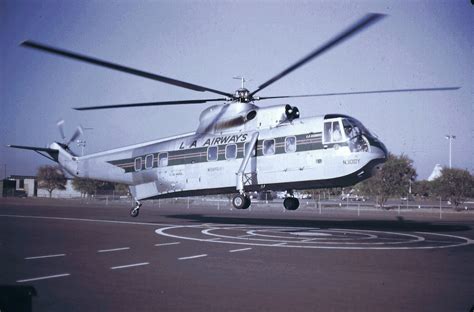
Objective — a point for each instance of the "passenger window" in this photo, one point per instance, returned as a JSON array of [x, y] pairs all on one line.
[[269, 147], [247, 147], [149, 161], [231, 151], [138, 164], [212, 153], [163, 159], [290, 144]]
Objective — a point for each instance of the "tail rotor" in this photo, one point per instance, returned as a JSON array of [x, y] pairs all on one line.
[[77, 133]]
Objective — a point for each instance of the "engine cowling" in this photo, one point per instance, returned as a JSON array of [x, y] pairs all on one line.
[[292, 112]]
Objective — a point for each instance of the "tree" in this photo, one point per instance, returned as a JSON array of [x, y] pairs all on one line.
[[121, 188], [392, 180], [51, 178], [455, 185], [86, 186], [423, 188]]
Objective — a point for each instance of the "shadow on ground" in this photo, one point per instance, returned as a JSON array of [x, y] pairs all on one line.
[[400, 224]]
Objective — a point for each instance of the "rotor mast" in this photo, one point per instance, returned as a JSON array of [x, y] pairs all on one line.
[[242, 95]]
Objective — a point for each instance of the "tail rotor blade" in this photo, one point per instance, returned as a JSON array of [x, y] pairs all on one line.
[[75, 135], [60, 125]]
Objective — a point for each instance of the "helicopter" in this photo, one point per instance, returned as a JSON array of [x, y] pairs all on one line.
[[238, 146]]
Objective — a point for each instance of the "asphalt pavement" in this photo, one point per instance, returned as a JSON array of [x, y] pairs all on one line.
[[175, 257]]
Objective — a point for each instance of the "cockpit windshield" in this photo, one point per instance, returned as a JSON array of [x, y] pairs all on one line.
[[347, 130], [356, 134], [350, 129]]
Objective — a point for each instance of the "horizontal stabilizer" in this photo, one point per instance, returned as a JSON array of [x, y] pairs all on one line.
[[53, 153]]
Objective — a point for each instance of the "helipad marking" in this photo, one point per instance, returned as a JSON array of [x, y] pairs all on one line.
[[272, 238], [310, 234], [324, 245], [213, 239]]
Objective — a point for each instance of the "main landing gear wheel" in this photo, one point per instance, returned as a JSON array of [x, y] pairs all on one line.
[[135, 210], [291, 203], [241, 201]]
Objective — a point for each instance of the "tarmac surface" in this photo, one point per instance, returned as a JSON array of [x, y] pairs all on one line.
[[93, 257]]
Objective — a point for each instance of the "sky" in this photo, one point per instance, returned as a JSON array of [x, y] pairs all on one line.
[[419, 44]]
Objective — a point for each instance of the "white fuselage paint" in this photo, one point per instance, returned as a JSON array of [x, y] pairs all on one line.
[[283, 170]]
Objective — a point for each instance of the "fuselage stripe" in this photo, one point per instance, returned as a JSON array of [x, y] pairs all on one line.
[[200, 154]]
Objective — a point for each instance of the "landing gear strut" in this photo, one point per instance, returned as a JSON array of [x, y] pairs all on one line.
[[241, 201], [291, 203], [135, 210]]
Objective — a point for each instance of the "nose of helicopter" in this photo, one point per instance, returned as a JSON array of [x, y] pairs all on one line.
[[379, 149]]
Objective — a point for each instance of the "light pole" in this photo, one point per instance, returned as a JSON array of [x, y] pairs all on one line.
[[82, 143], [450, 137]]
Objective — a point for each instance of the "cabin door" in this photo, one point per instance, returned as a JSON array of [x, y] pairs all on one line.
[[250, 172]]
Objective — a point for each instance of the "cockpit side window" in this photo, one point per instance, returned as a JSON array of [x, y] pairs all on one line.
[[333, 132], [327, 132], [336, 132]]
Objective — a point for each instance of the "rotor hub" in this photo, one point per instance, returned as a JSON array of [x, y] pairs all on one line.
[[242, 95]]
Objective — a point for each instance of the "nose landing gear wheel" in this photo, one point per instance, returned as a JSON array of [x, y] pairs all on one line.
[[241, 201], [291, 203]]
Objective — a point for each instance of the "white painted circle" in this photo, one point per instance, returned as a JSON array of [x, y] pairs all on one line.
[[310, 234], [311, 238]]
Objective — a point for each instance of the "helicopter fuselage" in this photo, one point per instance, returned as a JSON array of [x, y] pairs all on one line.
[[314, 152]]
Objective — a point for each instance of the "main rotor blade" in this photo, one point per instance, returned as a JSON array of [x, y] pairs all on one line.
[[149, 104], [95, 61], [366, 21], [359, 92]]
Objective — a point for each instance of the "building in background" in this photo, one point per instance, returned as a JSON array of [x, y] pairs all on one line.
[[27, 186], [19, 186]]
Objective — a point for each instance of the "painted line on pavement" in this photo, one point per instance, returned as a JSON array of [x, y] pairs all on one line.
[[42, 278], [47, 256], [129, 265], [112, 250], [192, 257], [167, 244], [238, 250], [84, 220]]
